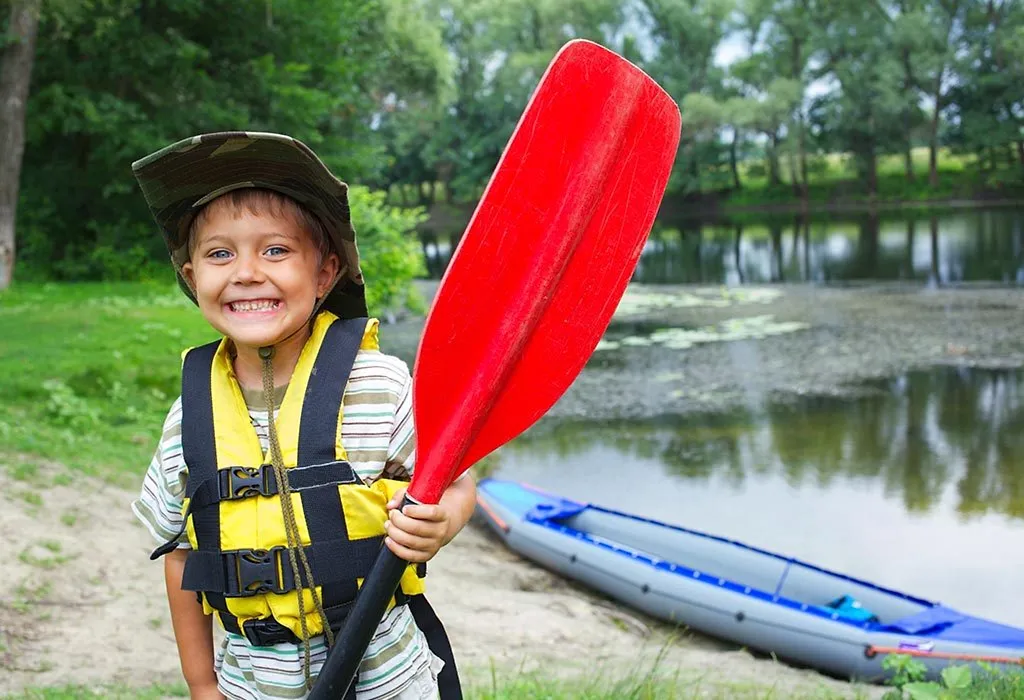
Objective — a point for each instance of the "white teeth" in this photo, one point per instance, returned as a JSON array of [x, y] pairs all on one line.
[[263, 305]]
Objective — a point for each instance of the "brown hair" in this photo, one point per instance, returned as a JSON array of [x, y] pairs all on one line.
[[261, 201]]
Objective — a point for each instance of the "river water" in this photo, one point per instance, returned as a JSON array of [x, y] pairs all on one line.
[[916, 482], [978, 245]]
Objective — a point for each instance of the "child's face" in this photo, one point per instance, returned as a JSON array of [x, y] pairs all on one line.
[[256, 276]]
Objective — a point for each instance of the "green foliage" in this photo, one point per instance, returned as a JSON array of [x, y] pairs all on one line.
[[956, 682], [116, 79], [389, 253], [116, 692]]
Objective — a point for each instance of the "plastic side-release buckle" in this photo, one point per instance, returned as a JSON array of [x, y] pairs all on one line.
[[259, 571], [245, 482]]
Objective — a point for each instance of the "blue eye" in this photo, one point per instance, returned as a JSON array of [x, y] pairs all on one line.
[[276, 250], [219, 254]]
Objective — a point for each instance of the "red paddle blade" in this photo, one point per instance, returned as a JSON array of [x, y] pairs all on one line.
[[544, 260]]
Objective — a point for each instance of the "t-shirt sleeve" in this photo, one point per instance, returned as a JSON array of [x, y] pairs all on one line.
[[401, 459], [159, 504]]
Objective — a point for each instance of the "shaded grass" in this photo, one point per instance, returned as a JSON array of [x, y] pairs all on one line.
[[119, 692], [541, 688], [89, 371], [833, 178]]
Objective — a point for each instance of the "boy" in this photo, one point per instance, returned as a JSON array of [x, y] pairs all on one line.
[[281, 467]]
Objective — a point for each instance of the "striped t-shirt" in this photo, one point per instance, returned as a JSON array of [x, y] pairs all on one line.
[[377, 434]]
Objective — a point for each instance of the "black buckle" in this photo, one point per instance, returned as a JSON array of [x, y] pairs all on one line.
[[259, 571], [267, 632], [244, 482]]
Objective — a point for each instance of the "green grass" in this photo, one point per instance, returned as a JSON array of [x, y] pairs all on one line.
[[833, 178], [89, 372], [119, 692], [653, 683], [601, 687]]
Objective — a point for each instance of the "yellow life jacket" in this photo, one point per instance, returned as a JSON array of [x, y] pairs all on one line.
[[233, 516]]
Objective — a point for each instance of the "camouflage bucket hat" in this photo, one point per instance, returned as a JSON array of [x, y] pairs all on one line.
[[179, 179]]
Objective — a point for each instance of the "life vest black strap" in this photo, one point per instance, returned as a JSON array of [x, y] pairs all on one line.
[[437, 639], [246, 572], [247, 482], [198, 444], [268, 631], [318, 424]]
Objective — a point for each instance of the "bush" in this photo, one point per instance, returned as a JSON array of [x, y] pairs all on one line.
[[389, 253]]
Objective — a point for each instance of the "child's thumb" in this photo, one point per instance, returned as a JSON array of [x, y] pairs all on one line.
[[396, 500]]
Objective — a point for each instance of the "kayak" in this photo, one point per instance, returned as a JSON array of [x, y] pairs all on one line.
[[801, 613]]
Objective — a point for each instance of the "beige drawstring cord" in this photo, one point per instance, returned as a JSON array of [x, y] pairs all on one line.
[[296, 553]]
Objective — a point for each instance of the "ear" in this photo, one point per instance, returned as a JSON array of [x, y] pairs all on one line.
[[189, 273], [328, 271]]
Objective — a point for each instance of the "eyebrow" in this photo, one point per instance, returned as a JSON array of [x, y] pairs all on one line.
[[219, 238]]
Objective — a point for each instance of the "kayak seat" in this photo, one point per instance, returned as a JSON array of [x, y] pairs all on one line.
[[849, 608], [828, 591]]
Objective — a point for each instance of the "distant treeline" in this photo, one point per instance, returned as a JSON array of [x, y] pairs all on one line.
[[418, 97]]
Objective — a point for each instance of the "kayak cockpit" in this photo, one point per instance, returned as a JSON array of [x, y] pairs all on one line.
[[753, 572]]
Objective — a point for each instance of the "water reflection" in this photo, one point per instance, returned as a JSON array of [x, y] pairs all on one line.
[[958, 246], [914, 438], [915, 484]]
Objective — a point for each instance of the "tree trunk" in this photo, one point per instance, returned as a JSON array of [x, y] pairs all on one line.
[[15, 75], [736, 252], [933, 161], [773, 162], [793, 174], [1020, 153], [732, 160], [908, 86], [802, 145], [933, 134], [870, 165]]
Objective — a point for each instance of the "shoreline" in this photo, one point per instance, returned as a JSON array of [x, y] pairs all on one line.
[[455, 217]]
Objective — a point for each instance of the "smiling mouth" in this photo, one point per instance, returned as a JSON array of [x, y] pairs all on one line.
[[254, 305]]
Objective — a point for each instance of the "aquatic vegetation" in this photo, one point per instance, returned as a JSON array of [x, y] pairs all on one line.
[[748, 328], [639, 300]]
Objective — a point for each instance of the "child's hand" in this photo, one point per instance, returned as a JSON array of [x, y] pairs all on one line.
[[417, 533]]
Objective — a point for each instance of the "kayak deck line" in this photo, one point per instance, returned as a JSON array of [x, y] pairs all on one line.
[[725, 612], [490, 512], [710, 579], [872, 650], [789, 561]]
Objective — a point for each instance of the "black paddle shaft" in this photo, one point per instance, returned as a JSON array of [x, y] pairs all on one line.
[[342, 664]]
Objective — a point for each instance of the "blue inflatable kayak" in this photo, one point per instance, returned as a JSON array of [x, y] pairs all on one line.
[[764, 601]]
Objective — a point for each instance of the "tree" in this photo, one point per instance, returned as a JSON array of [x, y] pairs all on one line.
[[685, 36], [116, 79], [864, 116], [16, 58]]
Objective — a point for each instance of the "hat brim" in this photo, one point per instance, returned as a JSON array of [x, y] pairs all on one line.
[[178, 180]]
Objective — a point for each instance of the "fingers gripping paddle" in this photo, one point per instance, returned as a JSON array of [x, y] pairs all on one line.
[[531, 287]]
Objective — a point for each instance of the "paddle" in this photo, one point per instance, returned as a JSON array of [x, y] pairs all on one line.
[[531, 286]]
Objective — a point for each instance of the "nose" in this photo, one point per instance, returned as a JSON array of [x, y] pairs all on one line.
[[247, 269]]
